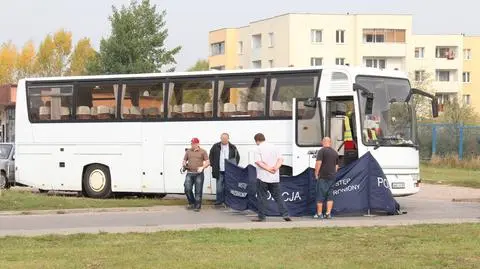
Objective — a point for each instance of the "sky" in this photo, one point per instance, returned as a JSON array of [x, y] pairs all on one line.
[[189, 22]]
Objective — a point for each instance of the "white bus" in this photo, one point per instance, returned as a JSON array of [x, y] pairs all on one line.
[[128, 133]]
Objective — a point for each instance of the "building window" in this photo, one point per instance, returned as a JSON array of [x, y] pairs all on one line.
[[340, 36], [376, 63], [340, 61], [316, 61], [419, 75], [442, 75], [384, 35], [316, 36], [217, 48], [466, 99], [240, 47], [466, 77], [467, 54], [256, 41], [271, 40], [270, 63], [257, 64], [419, 53], [445, 52]]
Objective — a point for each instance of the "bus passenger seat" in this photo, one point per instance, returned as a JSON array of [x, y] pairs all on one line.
[[228, 110], [208, 110], [240, 109], [125, 113], [198, 110], [93, 113], [103, 113], [187, 110], [253, 109], [261, 108], [176, 111], [44, 112], [65, 113], [135, 112], [287, 109], [83, 113], [277, 109]]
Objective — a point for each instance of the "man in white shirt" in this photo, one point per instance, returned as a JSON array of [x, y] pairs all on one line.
[[268, 162]]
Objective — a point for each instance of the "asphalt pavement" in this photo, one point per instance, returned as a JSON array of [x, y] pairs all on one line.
[[421, 209]]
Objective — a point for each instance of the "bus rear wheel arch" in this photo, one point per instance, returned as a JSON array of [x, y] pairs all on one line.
[[96, 181]]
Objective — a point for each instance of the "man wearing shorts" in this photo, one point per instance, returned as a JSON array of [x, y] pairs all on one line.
[[325, 170]]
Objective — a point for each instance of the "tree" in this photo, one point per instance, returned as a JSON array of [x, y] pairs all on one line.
[[8, 57], [82, 56], [200, 65], [458, 113], [137, 41], [422, 105], [25, 65], [53, 54]]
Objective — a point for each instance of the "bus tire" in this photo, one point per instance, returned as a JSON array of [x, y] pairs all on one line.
[[4, 181], [97, 181]]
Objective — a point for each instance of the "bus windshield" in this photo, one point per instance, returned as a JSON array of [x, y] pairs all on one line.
[[392, 120]]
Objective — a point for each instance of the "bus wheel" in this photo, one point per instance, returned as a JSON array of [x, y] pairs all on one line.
[[3, 181], [96, 181]]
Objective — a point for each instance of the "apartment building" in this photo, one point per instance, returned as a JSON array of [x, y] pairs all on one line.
[[439, 58], [379, 41], [471, 72]]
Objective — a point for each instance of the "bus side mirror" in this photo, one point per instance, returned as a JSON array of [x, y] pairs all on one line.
[[310, 103]]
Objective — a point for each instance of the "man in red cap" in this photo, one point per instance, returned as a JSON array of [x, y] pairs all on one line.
[[195, 160]]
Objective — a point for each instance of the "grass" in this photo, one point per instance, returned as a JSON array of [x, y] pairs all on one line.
[[422, 246], [451, 176], [452, 161], [15, 200]]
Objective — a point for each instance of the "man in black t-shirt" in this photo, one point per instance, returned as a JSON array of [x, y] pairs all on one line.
[[325, 170]]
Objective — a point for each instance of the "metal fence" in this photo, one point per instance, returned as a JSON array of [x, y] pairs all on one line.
[[448, 139]]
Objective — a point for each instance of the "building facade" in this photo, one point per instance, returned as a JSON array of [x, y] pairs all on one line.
[[379, 41], [8, 95]]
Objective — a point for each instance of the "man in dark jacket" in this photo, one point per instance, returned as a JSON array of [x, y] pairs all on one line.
[[221, 151]]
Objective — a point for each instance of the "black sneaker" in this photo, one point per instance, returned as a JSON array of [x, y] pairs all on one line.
[[287, 219]]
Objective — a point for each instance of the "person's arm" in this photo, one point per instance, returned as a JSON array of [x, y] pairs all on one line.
[[237, 155], [185, 158], [260, 163], [337, 167], [318, 164], [277, 165], [206, 162]]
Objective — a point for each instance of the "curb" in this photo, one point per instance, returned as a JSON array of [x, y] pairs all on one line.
[[88, 210]]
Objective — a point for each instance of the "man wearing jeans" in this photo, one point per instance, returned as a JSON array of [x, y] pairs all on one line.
[[195, 160], [219, 153], [326, 168], [268, 162]]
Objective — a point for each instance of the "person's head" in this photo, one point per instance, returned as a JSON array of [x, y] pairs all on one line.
[[326, 142], [259, 138], [224, 138], [195, 142]]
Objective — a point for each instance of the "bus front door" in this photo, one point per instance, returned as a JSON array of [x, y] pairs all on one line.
[[307, 133]]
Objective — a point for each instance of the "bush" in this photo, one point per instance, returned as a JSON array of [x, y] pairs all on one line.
[[452, 161]]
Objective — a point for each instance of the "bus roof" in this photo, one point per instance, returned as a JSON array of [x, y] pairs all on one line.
[[353, 71]]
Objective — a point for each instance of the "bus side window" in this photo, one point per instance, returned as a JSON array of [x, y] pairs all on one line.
[[97, 101], [191, 99], [143, 100], [284, 88], [50, 102], [241, 97]]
